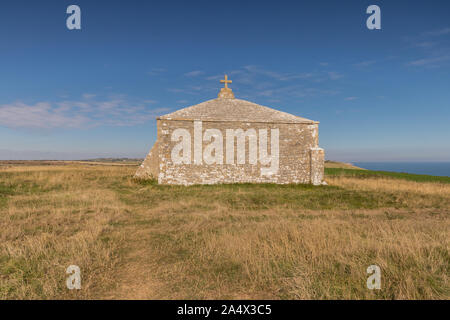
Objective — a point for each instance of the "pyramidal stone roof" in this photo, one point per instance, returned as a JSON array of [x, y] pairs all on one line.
[[226, 109]]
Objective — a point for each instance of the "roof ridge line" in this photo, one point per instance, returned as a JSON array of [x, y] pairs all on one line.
[[237, 110]]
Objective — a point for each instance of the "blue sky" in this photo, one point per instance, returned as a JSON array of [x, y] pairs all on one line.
[[380, 95]]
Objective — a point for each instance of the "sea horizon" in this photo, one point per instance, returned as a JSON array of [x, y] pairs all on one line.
[[434, 168]]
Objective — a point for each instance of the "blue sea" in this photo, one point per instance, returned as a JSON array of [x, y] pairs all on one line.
[[430, 168]]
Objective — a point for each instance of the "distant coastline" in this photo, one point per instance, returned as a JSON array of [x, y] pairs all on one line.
[[429, 168], [441, 169]]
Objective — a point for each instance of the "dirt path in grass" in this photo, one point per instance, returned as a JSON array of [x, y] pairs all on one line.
[[135, 277], [138, 274]]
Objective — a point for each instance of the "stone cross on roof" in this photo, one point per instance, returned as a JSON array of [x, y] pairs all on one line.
[[226, 81], [225, 92]]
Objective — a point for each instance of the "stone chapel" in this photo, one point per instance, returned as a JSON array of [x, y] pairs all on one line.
[[229, 140]]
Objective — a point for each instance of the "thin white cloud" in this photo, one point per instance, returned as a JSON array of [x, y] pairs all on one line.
[[334, 75], [76, 114], [433, 46], [365, 63], [295, 91], [195, 89], [216, 77], [350, 98], [194, 73], [40, 115], [156, 71], [251, 81], [277, 75], [436, 33], [424, 44], [430, 61], [425, 36]]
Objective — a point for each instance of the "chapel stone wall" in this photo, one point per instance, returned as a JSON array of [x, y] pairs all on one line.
[[149, 169], [295, 158], [317, 165]]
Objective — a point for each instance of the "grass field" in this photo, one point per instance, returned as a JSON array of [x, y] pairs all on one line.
[[140, 240]]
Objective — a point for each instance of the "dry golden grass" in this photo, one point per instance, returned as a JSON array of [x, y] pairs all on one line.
[[55, 218], [279, 254], [410, 193], [387, 185], [144, 241]]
